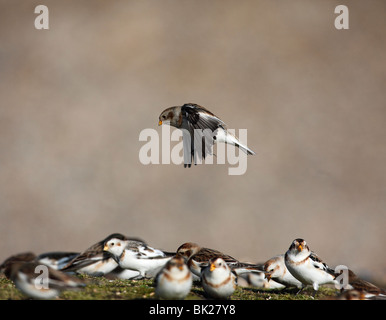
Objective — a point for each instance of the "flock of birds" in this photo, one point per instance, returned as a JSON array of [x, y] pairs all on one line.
[[118, 256], [121, 257]]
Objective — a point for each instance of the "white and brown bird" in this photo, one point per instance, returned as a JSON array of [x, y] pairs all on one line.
[[218, 280], [349, 295], [200, 130], [257, 280], [276, 270], [56, 259], [306, 266], [198, 257], [18, 257], [138, 256], [174, 281], [367, 290], [39, 281], [94, 260]]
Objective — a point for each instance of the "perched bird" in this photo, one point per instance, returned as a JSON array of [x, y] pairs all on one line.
[[306, 266], [136, 255], [349, 295], [200, 130], [174, 281], [39, 281], [198, 258], [217, 279], [358, 295], [94, 260], [257, 280], [276, 270], [57, 259], [367, 290], [19, 257]]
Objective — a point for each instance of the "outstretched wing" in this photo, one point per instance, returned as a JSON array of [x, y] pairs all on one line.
[[199, 126], [200, 118]]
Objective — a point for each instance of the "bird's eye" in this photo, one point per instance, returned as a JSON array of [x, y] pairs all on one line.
[[163, 117], [112, 243]]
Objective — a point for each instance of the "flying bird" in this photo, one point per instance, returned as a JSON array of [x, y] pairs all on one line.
[[200, 130]]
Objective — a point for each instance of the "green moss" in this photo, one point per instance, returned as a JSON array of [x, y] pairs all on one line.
[[100, 288]]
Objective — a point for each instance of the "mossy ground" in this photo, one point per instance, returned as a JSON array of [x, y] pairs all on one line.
[[105, 289]]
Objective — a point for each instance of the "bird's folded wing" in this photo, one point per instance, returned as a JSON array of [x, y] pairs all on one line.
[[319, 264]]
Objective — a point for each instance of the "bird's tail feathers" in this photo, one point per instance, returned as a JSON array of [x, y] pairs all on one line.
[[231, 139]]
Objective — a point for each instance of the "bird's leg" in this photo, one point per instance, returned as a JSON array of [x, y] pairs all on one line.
[[300, 290]]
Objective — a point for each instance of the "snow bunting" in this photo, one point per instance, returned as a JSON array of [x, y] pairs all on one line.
[[350, 295], [94, 260], [306, 266], [56, 260], [358, 295], [136, 255], [368, 290], [218, 280], [200, 128], [257, 280], [39, 281], [276, 270], [198, 258], [174, 281], [19, 257]]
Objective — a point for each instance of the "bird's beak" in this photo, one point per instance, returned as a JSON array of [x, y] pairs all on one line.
[[267, 275], [106, 247], [212, 267], [300, 248], [160, 123]]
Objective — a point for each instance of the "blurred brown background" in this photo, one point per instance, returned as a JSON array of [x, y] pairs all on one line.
[[74, 99]]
